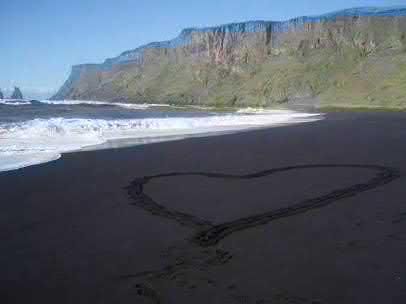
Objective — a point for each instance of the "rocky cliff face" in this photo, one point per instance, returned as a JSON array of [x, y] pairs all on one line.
[[203, 65]]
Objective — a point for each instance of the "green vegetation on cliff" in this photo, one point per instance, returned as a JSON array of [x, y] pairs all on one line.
[[344, 78], [345, 61]]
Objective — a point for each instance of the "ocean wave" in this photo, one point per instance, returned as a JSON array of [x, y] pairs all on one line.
[[138, 106], [40, 140], [260, 110], [135, 106], [14, 102], [94, 102]]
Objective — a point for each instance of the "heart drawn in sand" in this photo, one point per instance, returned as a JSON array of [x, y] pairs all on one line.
[[209, 234]]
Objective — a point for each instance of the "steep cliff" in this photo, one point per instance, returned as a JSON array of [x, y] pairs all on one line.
[[255, 62], [17, 94]]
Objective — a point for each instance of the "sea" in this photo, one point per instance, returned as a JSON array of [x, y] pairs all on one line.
[[34, 132]]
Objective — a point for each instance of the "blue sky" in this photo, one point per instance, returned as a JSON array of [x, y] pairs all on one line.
[[41, 39]]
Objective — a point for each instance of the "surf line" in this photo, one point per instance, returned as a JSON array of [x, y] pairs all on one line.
[[207, 234]]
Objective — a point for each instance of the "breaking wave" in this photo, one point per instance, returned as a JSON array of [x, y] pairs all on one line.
[[90, 102], [142, 106], [13, 102], [41, 140]]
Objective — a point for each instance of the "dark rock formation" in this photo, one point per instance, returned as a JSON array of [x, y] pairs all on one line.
[[1, 95], [198, 65], [17, 94]]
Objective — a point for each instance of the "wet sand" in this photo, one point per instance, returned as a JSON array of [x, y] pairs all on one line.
[[310, 213]]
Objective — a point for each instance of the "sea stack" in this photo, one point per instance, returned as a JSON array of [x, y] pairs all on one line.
[[17, 94], [1, 95]]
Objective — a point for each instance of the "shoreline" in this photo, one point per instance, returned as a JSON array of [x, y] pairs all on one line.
[[298, 104], [107, 134]]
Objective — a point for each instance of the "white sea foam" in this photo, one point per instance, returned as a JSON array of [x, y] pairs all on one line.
[[14, 102], [142, 106], [251, 110], [92, 102], [42, 140]]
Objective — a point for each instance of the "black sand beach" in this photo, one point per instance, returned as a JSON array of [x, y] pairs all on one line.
[[309, 213]]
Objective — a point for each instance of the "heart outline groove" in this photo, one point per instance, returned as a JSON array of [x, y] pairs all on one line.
[[207, 234]]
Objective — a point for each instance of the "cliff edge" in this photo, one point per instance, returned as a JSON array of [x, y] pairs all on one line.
[[341, 57]]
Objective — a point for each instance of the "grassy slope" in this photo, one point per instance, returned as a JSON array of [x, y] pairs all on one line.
[[343, 78], [378, 81]]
